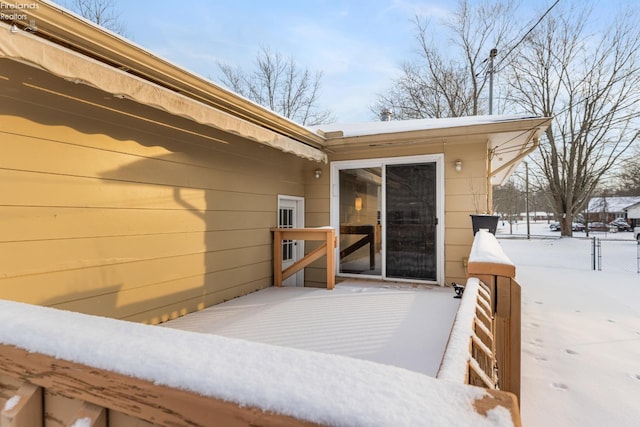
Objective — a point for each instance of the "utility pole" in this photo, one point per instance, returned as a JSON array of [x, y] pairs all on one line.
[[492, 55], [526, 198]]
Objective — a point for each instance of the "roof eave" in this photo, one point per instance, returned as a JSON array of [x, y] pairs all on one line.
[[64, 28], [335, 141]]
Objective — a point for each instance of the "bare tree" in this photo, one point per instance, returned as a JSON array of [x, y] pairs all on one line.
[[590, 85], [508, 201], [448, 80], [101, 12], [629, 175], [279, 84]]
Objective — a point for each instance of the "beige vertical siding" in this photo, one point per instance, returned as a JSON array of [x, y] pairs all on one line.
[[317, 201], [109, 214], [466, 193]]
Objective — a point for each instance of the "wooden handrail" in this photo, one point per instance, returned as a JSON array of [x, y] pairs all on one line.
[[487, 257], [491, 266], [325, 234], [105, 398], [145, 400]]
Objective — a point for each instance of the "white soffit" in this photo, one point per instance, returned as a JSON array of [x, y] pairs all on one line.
[[64, 63], [506, 148]]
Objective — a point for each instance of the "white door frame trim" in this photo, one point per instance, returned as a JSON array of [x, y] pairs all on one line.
[[299, 246], [438, 159]]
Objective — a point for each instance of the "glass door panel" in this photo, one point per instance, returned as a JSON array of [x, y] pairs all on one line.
[[360, 228], [411, 220]]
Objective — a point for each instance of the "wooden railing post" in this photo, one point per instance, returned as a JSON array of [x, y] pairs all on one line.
[[331, 244], [326, 235], [488, 263], [508, 333], [277, 256]]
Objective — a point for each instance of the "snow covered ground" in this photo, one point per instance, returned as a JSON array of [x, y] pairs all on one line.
[[580, 328]]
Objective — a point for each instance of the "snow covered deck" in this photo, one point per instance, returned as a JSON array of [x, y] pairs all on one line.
[[106, 369], [399, 325]]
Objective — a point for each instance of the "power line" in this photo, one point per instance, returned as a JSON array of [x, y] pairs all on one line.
[[494, 51], [528, 32]]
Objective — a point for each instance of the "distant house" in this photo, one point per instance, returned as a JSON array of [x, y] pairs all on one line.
[[536, 216], [134, 189], [633, 214], [606, 209]]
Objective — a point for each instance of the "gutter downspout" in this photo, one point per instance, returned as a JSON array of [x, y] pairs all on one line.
[[509, 164]]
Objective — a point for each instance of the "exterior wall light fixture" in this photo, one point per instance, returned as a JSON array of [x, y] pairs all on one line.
[[458, 166], [317, 173]]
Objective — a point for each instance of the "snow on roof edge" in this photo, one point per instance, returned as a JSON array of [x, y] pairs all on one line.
[[379, 127]]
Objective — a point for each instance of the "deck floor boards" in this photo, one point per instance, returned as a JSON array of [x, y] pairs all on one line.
[[394, 324]]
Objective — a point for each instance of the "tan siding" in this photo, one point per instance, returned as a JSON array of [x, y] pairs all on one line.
[[458, 219], [25, 188], [77, 253], [316, 207], [317, 201], [315, 277], [459, 204], [460, 236], [41, 223], [108, 215], [465, 193]]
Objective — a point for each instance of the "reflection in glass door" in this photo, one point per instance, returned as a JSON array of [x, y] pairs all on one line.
[[360, 227]]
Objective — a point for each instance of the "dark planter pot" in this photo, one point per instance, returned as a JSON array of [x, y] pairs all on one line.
[[489, 222]]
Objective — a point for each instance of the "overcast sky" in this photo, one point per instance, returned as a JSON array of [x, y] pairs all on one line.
[[358, 45]]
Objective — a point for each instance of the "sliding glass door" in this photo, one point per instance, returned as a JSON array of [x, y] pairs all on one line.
[[386, 212]]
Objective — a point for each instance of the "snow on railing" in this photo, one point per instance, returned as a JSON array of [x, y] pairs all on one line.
[[490, 265], [486, 253], [470, 354]]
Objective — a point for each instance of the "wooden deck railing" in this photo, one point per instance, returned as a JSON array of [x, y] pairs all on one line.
[[470, 354], [39, 389], [488, 323], [65, 387], [35, 387], [324, 234]]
